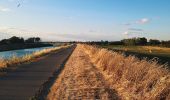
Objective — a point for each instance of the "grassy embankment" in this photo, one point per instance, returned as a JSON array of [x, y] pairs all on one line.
[[27, 58], [130, 77]]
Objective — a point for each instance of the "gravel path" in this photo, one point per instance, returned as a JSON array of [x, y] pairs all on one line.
[[25, 81]]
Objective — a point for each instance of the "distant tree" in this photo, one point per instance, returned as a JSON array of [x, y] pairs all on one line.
[[129, 41], [103, 42], [135, 41], [30, 40], [165, 43], [106, 42], [19, 40], [141, 41], [154, 42], [15, 39], [116, 43], [4, 41], [37, 39], [33, 40]]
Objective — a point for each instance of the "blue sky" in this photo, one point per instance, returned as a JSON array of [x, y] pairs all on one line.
[[64, 20]]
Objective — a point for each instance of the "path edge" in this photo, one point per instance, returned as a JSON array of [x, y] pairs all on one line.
[[45, 87]]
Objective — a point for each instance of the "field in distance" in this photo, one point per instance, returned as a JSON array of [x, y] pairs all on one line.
[[161, 53]]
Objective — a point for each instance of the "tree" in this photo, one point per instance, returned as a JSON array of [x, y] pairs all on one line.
[[116, 43], [104, 42], [129, 41], [165, 43], [30, 40], [37, 39], [154, 42], [135, 41], [141, 41], [4, 41], [15, 39], [33, 40]]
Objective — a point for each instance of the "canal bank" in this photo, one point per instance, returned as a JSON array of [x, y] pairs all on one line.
[[23, 83], [21, 52]]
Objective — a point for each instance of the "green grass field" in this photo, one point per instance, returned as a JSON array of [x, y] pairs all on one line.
[[152, 50]]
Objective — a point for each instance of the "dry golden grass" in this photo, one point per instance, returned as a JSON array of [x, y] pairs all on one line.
[[131, 77], [27, 58], [80, 80]]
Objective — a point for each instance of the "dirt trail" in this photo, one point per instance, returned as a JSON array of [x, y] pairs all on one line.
[[25, 81], [81, 80]]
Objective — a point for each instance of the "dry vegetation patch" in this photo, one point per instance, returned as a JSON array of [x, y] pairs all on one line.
[[131, 77], [80, 80]]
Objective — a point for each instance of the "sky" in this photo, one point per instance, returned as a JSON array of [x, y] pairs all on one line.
[[85, 20]]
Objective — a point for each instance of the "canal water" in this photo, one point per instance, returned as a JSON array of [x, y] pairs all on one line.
[[20, 53]]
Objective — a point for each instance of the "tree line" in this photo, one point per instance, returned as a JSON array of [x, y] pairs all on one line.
[[20, 40], [144, 41], [141, 41]]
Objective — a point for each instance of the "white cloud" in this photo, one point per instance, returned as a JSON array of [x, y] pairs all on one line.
[[131, 31], [143, 21], [126, 33], [140, 21], [3, 9], [135, 29], [127, 24], [11, 31]]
